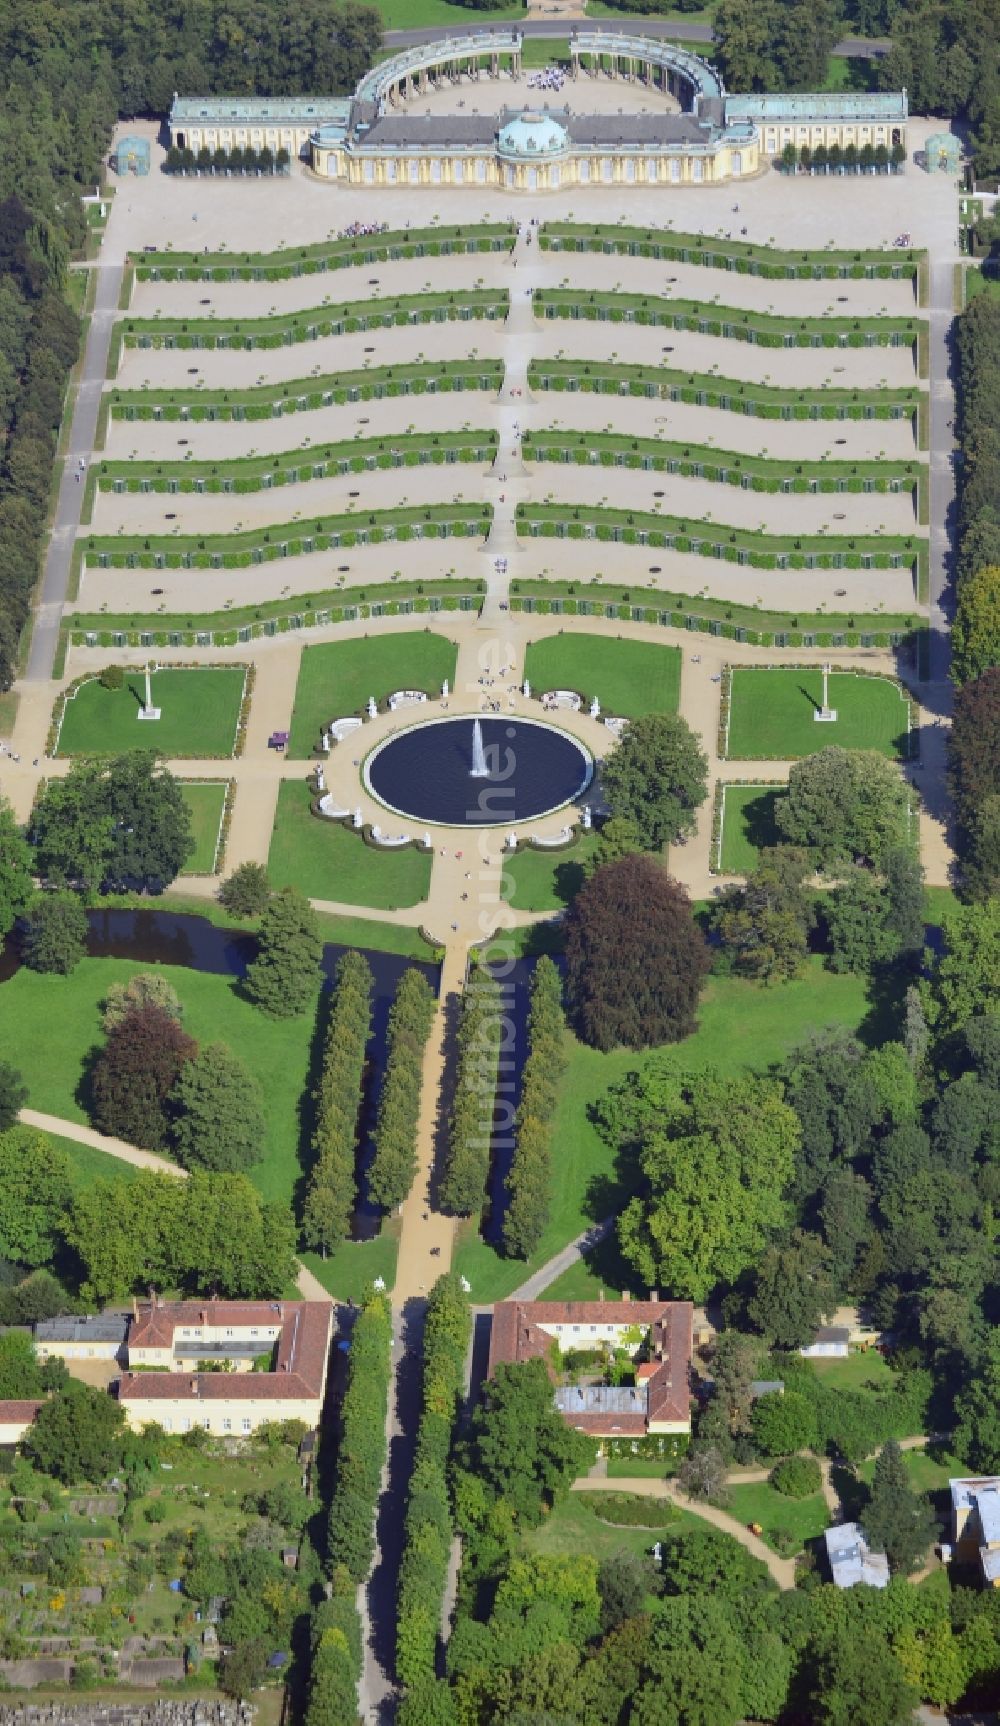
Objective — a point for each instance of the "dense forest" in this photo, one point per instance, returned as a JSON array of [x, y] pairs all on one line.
[[71, 70]]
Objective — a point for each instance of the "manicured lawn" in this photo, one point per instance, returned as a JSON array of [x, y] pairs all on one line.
[[927, 1473], [345, 1273], [543, 880], [414, 14], [857, 1371], [628, 677], [88, 1164], [49, 1025], [200, 710], [806, 1518], [337, 677], [771, 717], [206, 804], [740, 1026], [573, 1527], [939, 902], [977, 283], [342, 931], [641, 1467], [326, 860], [747, 826]]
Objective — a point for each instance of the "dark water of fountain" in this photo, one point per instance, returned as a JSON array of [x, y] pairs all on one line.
[[430, 771]]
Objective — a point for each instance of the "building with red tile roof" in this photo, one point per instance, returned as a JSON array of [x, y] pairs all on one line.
[[170, 1346], [15, 1419], [660, 1399]]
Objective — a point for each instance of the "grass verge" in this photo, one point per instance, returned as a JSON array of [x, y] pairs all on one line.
[[326, 860], [336, 678], [629, 677]]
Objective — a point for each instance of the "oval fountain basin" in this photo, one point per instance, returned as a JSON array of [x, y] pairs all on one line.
[[426, 771]]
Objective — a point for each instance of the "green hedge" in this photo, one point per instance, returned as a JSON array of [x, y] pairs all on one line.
[[740, 256], [395, 1160], [429, 1528], [706, 389], [463, 1184], [362, 1449], [724, 467], [762, 329], [331, 1191], [295, 466], [326, 255], [335, 1658], [529, 1182], [282, 331], [301, 395], [286, 539], [717, 539]]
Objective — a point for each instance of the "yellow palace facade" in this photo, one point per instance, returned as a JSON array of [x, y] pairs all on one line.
[[700, 136]]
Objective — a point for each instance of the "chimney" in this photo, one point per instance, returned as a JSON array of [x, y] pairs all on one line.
[[194, 1386], [654, 1294], [626, 1296]]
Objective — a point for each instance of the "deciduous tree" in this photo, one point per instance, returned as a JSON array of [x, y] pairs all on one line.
[[16, 868], [718, 1156], [217, 1109], [54, 933], [35, 1189], [135, 1074], [247, 891], [657, 778], [635, 958], [284, 977], [846, 806], [77, 1435]]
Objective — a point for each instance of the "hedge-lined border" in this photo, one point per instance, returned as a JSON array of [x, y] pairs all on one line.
[[235, 550], [722, 541], [361, 1453], [768, 474], [428, 1523], [719, 812], [726, 705], [326, 255], [734, 323], [299, 395], [743, 256], [331, 1186], [731, 395], [246, 475], [529, 1178], [288, 329], [225, 821], [68, 694]]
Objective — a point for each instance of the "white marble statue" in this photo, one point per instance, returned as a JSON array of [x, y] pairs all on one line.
[[595, 709], [372, 707]]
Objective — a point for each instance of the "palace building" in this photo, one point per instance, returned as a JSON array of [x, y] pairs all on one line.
[[667, 120]]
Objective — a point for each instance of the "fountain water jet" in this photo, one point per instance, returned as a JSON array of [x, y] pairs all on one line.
[[479, 769]]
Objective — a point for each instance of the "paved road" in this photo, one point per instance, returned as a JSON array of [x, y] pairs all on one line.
[[377, 1597], [533, 1286], [675, 29], [48, 610]]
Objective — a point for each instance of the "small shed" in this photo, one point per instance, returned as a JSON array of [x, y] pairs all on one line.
[[943, 153], [831, 1342], [132, 156]]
